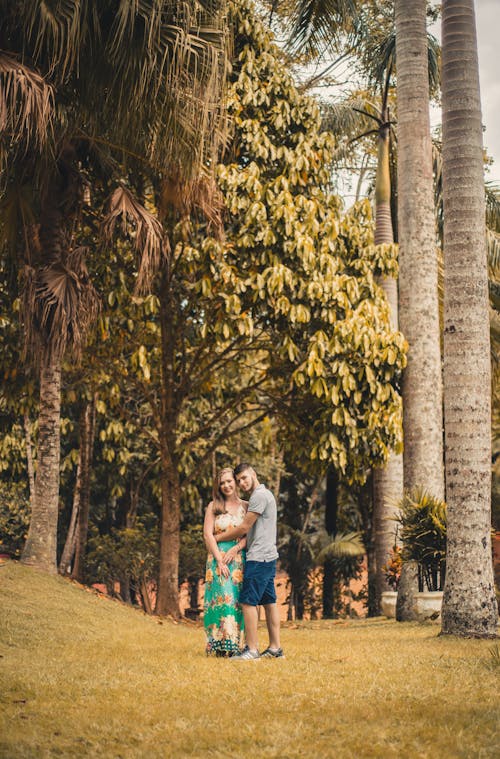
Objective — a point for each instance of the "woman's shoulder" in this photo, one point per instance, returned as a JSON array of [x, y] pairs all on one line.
[[244, 504]]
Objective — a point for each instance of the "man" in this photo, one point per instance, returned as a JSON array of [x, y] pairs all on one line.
[[259, 526]]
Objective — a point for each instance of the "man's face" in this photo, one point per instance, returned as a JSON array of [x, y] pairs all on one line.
[[247, 480]]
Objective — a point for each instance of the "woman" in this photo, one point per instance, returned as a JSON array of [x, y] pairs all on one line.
[[223, 617]]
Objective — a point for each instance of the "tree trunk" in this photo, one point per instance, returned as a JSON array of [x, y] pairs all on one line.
[[328, 599], [387, 482], [145, 597], [365, 506], [408, 586], [418, 265], [331, 510], [299, 604], [125, 594], [29, 457], [70, 544], [86, 445], [40, 550], [469, 604], [167, 601], [418, 269], [291, 603]]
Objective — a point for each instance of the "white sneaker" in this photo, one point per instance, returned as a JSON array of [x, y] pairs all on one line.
[[246, 655]]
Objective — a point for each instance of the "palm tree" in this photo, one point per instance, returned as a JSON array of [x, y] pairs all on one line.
[[418, 273], [469, 604], [67, 84], [387, 482], [317, 23], [418, 269]]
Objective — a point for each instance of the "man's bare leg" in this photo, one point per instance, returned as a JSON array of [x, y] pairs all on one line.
[[251, 617], [273, 625]]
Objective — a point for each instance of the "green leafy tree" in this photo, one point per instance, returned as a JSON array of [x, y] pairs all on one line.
[[129, 556], [14, 518], [284, 313]]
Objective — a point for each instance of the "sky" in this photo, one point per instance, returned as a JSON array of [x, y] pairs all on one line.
[[488, 40], [487, 26]]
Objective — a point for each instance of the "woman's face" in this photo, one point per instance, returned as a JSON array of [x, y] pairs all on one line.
[[227, 485]]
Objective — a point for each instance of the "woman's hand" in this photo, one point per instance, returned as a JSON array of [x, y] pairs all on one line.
[[223, 568], [230, 555]]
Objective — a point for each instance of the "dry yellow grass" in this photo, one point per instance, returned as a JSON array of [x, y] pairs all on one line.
[[83, 676]]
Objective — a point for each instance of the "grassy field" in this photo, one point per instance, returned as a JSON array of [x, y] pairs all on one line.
[[83, 676]]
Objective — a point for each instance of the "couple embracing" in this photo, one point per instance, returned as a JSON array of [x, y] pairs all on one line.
[[241, 566]]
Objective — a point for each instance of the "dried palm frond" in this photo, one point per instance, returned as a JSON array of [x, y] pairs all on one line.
[[150, 242], [56, 29], [170, 61], [59, 305], [148, 74], [493, 250], [197, 196], [26, 102]]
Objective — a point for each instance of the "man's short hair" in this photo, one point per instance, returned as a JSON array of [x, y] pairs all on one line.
[[242, 468]]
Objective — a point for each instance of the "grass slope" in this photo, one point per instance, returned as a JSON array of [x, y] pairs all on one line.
[[83, 676]]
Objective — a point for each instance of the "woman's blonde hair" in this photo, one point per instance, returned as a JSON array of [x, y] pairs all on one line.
[[219, 502]]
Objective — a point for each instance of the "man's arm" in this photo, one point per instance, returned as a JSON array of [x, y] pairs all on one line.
[[242, 529]]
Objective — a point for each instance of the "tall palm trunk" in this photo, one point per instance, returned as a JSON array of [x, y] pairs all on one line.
[[469, 606], [418, 267], [50, 318], [41, 544], [387, 482]]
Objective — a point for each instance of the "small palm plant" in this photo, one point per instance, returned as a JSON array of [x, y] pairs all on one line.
[[423, 521]]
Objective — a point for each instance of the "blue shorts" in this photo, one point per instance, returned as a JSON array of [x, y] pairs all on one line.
[[258, 583]]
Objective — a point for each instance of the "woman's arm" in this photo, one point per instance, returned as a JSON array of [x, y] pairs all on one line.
[[210, 541]]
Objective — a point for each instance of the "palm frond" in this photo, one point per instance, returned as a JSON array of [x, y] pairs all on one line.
[[493, 206], [170, 60], [434, 64], [26, 102], [146, 230], [349, 117], [493, 252], [59, 305], [316, 24], [199, 196], [56, 29], [344, 544], [153, 71], [379, 57]]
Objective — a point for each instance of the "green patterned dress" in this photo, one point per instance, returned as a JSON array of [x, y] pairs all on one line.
[[223, 617]]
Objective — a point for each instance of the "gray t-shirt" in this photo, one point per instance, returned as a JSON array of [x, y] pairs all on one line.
[[261, 538]]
